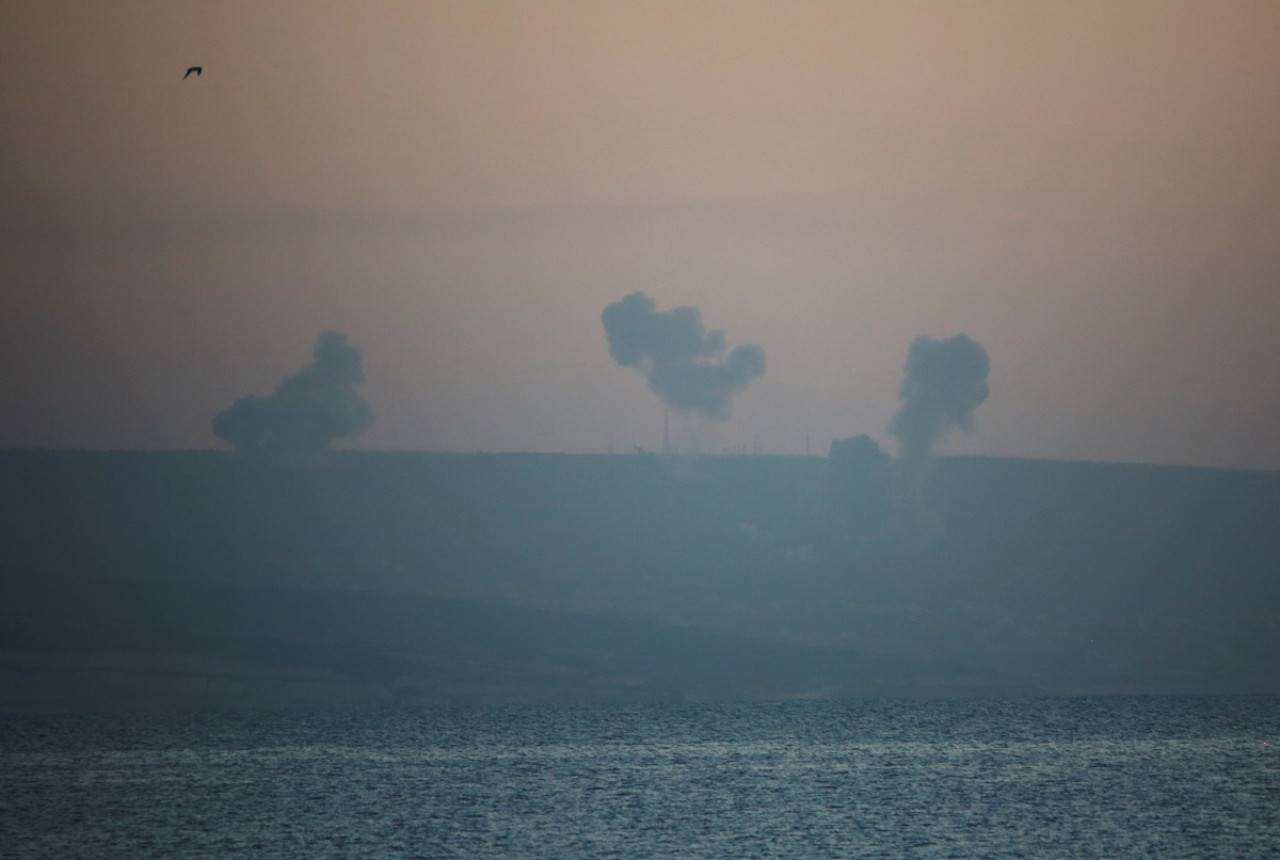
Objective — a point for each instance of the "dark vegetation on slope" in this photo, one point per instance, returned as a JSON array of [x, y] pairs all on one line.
[[1032, 575], [179, 644]]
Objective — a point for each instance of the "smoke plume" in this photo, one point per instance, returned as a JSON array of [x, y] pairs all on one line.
[[308, 410], [943, 382], [686, 365]]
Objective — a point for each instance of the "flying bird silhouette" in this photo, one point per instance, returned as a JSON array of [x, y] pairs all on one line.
[[197, 70]]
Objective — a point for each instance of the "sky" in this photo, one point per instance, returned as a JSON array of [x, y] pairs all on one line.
[[1088, 190]]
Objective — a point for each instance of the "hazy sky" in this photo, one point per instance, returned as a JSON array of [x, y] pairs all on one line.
[[1089, 190]]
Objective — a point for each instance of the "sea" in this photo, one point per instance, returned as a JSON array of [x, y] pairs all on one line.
[[1111, 777]]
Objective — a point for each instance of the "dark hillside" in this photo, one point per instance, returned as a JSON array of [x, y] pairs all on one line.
[[1136, 538], [1055, 576], [77, 642]]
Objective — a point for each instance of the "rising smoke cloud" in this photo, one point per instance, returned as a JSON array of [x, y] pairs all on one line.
[[308, 410], [943, 382], [686, 365]]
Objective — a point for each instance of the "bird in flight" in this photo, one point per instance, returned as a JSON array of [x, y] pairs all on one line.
[[194, 70]]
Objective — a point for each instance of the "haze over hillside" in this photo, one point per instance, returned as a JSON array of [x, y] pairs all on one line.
[[742, 577]]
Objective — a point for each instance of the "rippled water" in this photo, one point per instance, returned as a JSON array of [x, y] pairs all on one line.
[[1107, 777]]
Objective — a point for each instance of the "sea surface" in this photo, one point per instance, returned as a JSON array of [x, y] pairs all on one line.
[[1057, 777]]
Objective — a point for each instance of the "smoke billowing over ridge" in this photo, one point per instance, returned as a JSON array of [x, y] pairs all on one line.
[[943, 382], [308, 410], [686, 365]]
